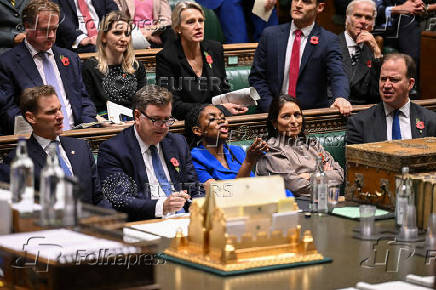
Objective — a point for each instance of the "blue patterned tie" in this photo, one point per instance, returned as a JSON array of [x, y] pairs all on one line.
[[50, 79], [396, 132], [159, 171], [62, 163], [160, 174]]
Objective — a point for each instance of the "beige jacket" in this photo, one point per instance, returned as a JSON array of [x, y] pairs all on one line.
[[289, 159]]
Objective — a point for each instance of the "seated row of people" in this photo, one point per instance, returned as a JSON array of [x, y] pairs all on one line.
[[301, 59], [160, 175]]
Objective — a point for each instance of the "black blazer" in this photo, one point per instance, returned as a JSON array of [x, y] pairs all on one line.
[[68, 29], [370, 125], [365, 76], [82, 162], [175, 73]]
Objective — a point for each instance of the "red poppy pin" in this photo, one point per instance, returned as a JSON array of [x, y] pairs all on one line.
[[322, 157], [369, 63], [209, 59], [314, 40], [419, 125], [65, 61], [175, 163]]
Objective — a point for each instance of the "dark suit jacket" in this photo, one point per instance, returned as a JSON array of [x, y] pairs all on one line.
[[321, 64], [370, 125], [122, 154], [82, 162], [68, 29], [364, 77], [10, 21], [18, 71], [175, 73]]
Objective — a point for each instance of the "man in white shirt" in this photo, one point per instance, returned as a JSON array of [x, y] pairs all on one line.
[[42, 110], [300, 59], [396, 117], [154, 166], [80, 19], [37, 62], [360, 53]]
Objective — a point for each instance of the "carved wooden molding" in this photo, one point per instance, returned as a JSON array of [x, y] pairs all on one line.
[[244, 52]]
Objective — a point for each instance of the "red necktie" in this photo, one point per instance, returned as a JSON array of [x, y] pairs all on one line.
[[89, 22], [294, 66]]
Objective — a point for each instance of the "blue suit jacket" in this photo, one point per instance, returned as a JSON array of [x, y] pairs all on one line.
[[321, 66], [18, 71], [370, 125], [10, 22], [122, 154], [82, 162], [68, 29], [210, 4]]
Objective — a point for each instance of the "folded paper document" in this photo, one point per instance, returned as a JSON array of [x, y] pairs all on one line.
[[246, 97]]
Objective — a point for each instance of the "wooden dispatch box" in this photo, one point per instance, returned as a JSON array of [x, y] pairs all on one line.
[[372, 167]]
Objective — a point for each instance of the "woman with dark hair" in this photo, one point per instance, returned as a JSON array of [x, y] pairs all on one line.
[[292, 155], [114, 74], [192, 68], [206, 131]]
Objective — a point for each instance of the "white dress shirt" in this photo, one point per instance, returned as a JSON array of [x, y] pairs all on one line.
[[304, 35], [82, 24], [404, 117], [351, 44], [45, 144], [155, 189], [38, 62]]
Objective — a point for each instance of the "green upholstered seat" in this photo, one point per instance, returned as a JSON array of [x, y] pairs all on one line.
[[334, 143]]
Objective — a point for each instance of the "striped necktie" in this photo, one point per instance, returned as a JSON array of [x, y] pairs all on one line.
[[356, 56], [12, 2]]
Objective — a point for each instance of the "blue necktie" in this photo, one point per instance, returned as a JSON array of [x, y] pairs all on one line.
[[62, 163], [396, 132], [50, 79], [159, 171]]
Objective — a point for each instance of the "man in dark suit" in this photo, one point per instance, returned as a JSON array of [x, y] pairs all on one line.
[[79, 25], [11, 30], [360, 53], [42, 110], [36, 62], [156, 162], [300, 59], [398, 21], [396, 117]]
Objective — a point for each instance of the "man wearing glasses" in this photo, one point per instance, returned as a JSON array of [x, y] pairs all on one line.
[[146, 171]]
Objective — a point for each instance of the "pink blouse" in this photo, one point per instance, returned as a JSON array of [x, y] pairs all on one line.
[[143, 13]]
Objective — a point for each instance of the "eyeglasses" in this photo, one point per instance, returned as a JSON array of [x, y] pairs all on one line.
[[158, 123]]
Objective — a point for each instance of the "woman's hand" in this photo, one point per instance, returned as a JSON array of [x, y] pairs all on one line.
[[235, 109], [257, 149], [305, 175]]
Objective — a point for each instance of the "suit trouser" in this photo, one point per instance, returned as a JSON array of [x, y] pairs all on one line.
[[231, 16]]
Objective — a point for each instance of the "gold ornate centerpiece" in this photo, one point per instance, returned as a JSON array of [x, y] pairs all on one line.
[[243, 224]]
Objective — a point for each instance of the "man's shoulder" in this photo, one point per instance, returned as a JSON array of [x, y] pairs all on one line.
[[368, 113], [275, 29], [120, 138], [177, 138], [73, 141], [11, 55], [326, 33], [64, 52]]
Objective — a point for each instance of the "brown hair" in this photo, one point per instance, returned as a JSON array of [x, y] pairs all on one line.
[[151, 95], [30, 97], [34, 7]]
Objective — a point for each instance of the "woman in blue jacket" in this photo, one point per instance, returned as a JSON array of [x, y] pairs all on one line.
[[206, 130]]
